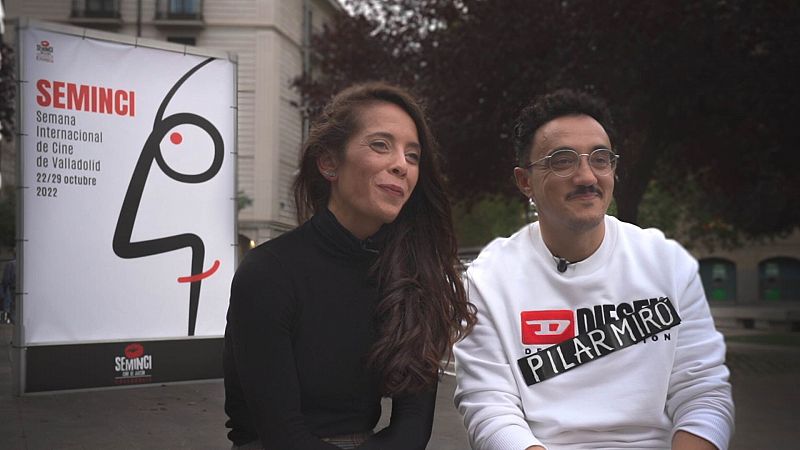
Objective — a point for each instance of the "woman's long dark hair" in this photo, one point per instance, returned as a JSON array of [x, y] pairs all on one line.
[[423, 308]]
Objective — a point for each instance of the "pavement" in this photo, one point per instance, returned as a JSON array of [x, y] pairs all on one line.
[[190, 415]]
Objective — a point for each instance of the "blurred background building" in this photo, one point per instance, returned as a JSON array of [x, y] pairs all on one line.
[[271, 39], [756, 285]]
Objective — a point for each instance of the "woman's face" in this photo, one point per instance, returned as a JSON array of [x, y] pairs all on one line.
[[378, 171]]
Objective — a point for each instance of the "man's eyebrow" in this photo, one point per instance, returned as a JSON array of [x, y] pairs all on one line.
[[564, 147]]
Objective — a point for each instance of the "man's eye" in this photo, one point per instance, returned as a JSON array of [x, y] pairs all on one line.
[[601, 158], [561, 161], [380, 146]]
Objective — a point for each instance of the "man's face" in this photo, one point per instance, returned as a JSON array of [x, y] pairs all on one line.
[[578, 202]]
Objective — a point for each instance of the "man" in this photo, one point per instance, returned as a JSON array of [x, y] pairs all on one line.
[[591, 333]]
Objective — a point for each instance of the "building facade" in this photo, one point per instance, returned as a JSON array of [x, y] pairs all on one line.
[[756, 285], [270, 38]]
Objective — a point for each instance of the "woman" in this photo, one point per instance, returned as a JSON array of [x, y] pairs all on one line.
[[361, 301]]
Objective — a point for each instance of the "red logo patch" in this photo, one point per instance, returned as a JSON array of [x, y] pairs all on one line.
[[547, 327], [133, 351]]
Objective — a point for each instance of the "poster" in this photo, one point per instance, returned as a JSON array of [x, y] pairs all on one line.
[[128, 176]]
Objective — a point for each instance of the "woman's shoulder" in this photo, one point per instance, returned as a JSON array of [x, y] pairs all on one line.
[[288, 243], [277, 253]]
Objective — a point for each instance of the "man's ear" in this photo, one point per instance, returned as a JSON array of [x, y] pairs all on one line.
[[327, 165], [523, 180]]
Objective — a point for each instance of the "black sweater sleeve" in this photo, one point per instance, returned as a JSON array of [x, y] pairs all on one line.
[[261, 314], [410, 425]]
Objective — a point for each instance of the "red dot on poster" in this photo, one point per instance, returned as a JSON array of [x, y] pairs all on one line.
[[176, 138]]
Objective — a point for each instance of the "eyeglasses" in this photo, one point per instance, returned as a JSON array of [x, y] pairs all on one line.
[[565, 162]]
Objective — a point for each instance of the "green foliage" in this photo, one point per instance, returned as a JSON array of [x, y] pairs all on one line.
[[488, 218], [703, 93], [8, 91], [242, 201], [660, 209], [672, 210], [612, 209]]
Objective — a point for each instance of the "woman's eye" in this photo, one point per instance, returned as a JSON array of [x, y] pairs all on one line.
[[380, 146], [413, 158]]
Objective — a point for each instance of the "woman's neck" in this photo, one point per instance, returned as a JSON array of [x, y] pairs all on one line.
[[358, 226]]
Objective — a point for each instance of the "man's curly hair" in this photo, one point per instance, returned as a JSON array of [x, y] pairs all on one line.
[[560, 103]]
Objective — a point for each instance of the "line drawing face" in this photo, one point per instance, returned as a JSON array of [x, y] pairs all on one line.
[[152, 152]]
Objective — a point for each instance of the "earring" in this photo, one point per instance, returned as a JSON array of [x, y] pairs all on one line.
[[532, 207], [330, 174]]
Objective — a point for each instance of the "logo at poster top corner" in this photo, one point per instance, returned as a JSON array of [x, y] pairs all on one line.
[[44, 51], [547, 327]]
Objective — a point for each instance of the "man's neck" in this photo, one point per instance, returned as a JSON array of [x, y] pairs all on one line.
[[572, 245]]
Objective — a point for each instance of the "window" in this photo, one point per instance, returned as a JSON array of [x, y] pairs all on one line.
[[183, 40], [184, 8], [779, 279], [95, 9], [179, 10], [102, 8], [719, 278]]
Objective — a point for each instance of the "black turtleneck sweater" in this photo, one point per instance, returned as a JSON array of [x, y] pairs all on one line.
[[300, 327]]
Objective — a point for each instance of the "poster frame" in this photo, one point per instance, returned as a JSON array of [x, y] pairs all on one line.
[[19, 346]]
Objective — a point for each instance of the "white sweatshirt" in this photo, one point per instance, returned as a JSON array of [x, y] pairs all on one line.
[[633, 398]]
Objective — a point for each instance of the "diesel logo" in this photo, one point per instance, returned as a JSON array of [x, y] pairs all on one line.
[[589, 319], [585, 347], [547, 327]]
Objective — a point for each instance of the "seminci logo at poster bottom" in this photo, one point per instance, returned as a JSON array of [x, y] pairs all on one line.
[[134, 367]]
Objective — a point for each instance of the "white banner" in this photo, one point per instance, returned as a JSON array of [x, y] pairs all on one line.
[[129, 179]]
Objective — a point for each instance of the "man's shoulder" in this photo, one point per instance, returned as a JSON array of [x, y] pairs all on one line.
[[647, 240], [634, 232], [501, 249]]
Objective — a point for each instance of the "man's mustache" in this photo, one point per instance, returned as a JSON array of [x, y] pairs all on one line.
[[582, 190]]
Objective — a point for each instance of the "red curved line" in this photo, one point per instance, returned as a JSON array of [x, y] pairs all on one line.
[[200, 276]]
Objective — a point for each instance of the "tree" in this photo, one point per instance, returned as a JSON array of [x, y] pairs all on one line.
[[480, 221], [8, 210], [8, 91], [701, 90], [7, 114]]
